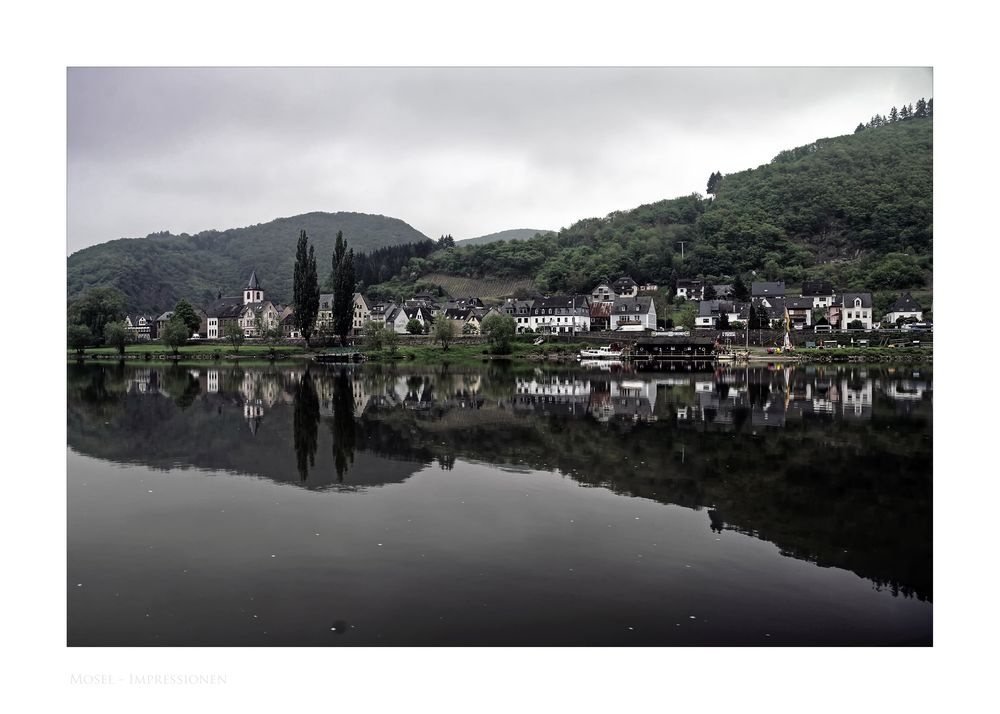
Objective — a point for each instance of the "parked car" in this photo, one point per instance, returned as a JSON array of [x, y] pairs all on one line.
[[196, 336], [822, 328]]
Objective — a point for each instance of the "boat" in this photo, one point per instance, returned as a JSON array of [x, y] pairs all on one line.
[[613, 351], [730, 356]]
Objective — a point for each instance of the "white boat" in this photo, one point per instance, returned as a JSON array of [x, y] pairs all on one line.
[[608, 352]]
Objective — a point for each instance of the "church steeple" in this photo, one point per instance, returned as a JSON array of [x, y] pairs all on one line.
[[252, 292]]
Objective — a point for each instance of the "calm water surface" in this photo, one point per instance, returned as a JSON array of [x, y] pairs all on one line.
[[499, 505]]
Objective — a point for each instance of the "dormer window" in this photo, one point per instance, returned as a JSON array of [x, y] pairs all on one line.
[[857, 302]]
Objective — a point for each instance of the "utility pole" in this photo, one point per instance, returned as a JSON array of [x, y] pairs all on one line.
[[682, 242]]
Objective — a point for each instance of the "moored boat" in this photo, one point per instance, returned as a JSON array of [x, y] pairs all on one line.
[[607, 352]]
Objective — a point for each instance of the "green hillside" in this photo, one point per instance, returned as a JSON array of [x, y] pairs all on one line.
[[155, 271], [511, 234], [854, 209]]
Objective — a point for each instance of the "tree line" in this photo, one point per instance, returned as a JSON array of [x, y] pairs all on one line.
[[924, 109]]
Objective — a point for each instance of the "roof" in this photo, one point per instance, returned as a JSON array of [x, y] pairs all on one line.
[[847, 299], [625, 280], [562, 302], [643, 302], [799, 303], [326, 301], [775, 308], [165, 316], [225, 307], [688, 283], [905, 303], [667, 341], [707, 308], [600, 309], [817, 287], [253, 283], [259, 307], [457, 313], [765, 289]]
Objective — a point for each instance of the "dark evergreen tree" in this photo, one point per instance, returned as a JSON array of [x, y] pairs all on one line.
[[921, 111], [930, 107], [759, 319], [305, 288], [893, 115], [713, 182], [860, 128], [740, 291], [446, 241], [904, 113], [343, 288]]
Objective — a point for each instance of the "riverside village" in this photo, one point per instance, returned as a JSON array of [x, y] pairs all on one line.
[[618, 320]]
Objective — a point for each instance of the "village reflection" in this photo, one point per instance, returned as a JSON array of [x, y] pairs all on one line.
[[832, 463]]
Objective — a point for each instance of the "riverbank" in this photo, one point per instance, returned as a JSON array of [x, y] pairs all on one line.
[[521, 349], [866, 354]]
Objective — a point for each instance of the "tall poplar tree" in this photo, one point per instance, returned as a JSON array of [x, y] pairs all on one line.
[[305, 287], [343, 288]]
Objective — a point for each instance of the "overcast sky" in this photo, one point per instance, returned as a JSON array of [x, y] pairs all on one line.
[[460, 151]]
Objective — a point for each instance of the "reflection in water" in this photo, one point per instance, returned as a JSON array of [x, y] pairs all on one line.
[[830, 463], [306, 424], [342, 424]]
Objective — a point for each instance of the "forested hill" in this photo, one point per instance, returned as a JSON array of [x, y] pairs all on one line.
[[511, 234], [855, 209], [155, 271]]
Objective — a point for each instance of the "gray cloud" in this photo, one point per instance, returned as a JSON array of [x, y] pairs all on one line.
[[460, 151]]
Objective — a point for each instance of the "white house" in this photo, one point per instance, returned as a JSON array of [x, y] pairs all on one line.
[[710, 312], [634, 312], [142, 326], [904, 308], [561, 314], [520, 310], [690, 289], [855, 307], [821, 292], [399, 317]]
